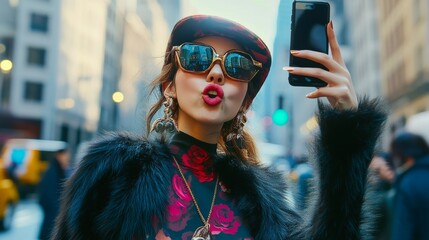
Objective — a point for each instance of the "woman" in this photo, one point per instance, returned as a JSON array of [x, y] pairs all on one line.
[[205, 182]]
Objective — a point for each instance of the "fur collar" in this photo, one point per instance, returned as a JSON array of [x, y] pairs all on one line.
[[119, 188]]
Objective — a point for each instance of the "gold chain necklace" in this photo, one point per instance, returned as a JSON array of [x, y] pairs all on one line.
[[203, 232]]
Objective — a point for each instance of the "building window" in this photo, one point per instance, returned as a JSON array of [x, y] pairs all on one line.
[[36, 56], [33, 91], [64, 133], [39, 22], [419, 60], [417, 11]]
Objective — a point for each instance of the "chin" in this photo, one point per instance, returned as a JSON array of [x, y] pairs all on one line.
[[213, 120], [210, 121]]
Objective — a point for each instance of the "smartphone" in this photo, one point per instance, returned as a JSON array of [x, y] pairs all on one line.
[[308, 32]]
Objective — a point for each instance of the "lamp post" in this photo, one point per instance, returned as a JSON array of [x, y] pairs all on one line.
[[6, 66], [117, 98]]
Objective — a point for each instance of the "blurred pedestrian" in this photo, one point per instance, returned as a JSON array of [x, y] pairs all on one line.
[[50, 188], [410, 154], [129, 187], [382, 178], [304, 179]]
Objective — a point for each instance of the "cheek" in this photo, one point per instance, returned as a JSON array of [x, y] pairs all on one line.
[[180, 80], [186, 83], [238, 92], [236, 97]]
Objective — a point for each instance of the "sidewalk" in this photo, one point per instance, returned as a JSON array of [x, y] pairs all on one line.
[[26, 222]]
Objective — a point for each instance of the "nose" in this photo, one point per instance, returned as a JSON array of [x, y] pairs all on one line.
[[216, 74]]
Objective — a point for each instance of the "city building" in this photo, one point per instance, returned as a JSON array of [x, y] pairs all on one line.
[[116, 14], [404, 58], [74, 109], [79, 67], [146, 30], [57, 51], [364, 65]]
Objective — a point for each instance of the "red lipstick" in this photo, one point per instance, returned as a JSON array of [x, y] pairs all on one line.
[[213, 94]]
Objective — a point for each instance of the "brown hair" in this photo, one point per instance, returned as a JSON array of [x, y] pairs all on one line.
[[243, 149]]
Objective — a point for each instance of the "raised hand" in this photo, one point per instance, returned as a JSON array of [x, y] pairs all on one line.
[[339, 91]]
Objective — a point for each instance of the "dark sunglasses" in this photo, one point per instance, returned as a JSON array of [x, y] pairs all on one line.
[[200, 58]]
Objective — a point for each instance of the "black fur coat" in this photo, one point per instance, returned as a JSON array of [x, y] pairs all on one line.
[[122, 184]]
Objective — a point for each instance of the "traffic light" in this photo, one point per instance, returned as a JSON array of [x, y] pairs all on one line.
[[280, 116]]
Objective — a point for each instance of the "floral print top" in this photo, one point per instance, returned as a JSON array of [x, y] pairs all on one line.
[[196, 160]]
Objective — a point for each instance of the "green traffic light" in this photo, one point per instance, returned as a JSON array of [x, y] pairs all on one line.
[[280, 117]]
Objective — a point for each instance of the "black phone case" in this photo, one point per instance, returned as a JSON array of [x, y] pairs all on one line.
[[297, 80]]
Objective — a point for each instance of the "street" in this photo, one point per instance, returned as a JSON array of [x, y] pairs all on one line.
[[26, 222]]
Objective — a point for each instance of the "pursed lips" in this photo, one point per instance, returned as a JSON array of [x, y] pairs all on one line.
[[213, 94]]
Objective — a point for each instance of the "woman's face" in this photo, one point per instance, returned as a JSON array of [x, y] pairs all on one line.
[[208, 100]]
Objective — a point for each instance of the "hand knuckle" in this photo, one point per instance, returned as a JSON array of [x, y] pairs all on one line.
[[326, 57], [344, 80], [348, 75], [345, 91], [318, 72]]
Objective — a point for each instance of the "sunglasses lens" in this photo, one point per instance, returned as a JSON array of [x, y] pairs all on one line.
[[198, 58], [240, 66], [195, 58]]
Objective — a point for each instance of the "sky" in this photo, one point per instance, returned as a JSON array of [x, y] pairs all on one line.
[[258, 15]]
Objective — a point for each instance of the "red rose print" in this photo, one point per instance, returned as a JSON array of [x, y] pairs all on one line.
[[175, 212], [177, 209], [197, 155], [200, 163], [223, 220], [180, 189], [177, 217]]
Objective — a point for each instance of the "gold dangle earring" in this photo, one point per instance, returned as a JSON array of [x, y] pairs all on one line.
[[238, 125], [166, 123]]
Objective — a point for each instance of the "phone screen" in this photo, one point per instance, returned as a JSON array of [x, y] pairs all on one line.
[[308, 32]]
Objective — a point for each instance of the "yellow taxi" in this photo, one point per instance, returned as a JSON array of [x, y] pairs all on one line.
[[8, 199], [22, 164], [27, 159]]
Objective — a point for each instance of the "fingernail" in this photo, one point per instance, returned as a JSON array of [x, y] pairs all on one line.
[[331, 25], [289, 69], [294, 51], [310, 94]]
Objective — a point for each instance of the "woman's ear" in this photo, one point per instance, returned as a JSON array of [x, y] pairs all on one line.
[[169, 89]]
